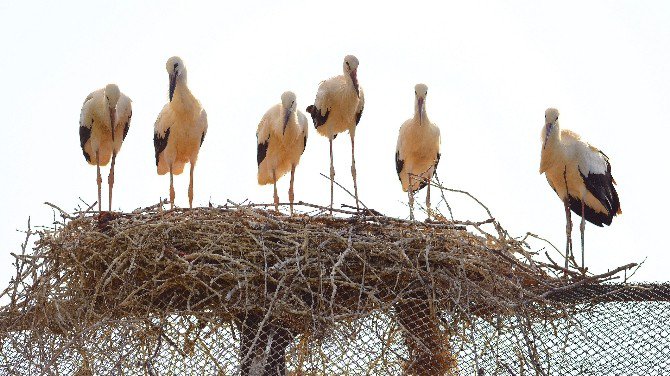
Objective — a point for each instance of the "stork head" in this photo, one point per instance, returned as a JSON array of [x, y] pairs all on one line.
[[112, 94], [550, 124], [350, 67], [176, 71], [420, 93], [289, 105]]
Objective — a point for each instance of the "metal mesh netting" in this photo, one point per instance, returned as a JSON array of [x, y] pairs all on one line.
[[243, 291], [611, 338]]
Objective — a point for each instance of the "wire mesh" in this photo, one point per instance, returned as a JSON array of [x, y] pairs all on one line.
[[610, 338]]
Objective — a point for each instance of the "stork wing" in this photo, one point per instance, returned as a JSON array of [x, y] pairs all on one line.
[[85, 125], [161, 131], [202, 124], [361, 104], [304, 126], [124, 112], [596, 172], [263, 138], [319, 110]]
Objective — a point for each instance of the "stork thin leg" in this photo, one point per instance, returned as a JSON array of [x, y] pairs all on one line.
[[410, 195], [332, 175], [171, 189], [276, 196], [110, 180], [190, 187], [568, 233], [581, 230], [428, 199], [290, 189], [98, 179], [353, 171]]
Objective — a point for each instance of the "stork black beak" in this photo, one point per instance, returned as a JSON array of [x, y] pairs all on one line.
[[354, 79], [173, 84], [549, 126], [420, 100], [287, 116]]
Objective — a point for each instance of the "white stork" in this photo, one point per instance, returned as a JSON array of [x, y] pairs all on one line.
[[281, 139], [338, 107], [580, 174], [103, 125], [180, 128], [418, 150]]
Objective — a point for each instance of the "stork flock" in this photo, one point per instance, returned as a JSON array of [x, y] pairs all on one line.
[[579, 173]]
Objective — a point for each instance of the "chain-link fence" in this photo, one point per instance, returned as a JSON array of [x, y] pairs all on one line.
[[612, 338]]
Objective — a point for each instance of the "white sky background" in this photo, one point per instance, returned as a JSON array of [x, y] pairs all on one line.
[[492, 68]]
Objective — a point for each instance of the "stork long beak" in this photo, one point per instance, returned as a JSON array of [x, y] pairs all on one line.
[[420, 100], [354, 79], [173, 84], [549, 126], [287, 115], [112, 119]]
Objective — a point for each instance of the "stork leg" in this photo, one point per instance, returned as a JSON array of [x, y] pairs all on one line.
[[276, 196], [190, 187], [581, 230], [171, 189], [98, 179], [110, 180], [428, 199], [410, 195], [290, 189], [332, 174], [568, 233], [353, 170]]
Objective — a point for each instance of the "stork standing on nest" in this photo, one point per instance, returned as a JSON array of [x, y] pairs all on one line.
[[418, 150], [338, 107], [103, 125], [281, 139], [581, 175], [180, 128]]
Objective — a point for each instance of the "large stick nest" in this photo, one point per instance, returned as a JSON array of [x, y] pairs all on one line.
[[307, 272]]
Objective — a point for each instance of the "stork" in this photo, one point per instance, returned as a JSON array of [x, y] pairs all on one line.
[[338, 107], [581, 176], [103, 125], [281, 140], [180, 128], [418, 150]]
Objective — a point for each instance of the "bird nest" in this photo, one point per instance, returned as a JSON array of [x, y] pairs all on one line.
[[306, 273]]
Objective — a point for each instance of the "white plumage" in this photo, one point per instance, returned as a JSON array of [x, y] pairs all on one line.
[[281, 140], [580, 174], [418, 149], [337, 108], [180, 128], [103, 125]]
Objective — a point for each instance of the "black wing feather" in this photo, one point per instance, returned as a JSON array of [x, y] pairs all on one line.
[[262, 151], [84, 135], [601, 186], [317, 118], [160, 143], [399, 163], [304, 146], [359, 114], [127, 126], [202, 139]]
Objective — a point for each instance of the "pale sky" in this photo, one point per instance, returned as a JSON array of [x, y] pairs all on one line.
[[492, 68]]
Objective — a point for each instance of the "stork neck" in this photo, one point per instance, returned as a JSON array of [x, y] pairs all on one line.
[[423, 117], [182, 98]]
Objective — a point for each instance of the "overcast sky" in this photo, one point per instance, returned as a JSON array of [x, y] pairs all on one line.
[[492, 68]]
